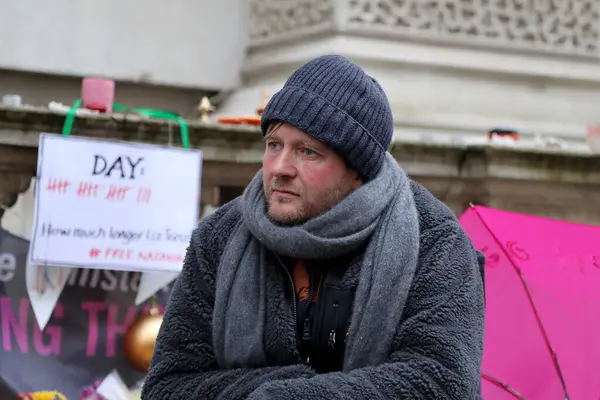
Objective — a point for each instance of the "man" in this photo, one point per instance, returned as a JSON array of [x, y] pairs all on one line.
[[334, 276]]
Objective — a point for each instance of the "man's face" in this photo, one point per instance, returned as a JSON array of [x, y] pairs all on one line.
[[302, 177]]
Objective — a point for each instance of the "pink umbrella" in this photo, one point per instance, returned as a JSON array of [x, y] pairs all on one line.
[[542, 278]]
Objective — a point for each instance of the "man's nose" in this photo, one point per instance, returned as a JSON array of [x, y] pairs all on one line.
[[285, 164]]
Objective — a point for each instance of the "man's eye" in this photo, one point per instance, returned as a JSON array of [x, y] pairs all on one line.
[[308, 152], [273, 145]]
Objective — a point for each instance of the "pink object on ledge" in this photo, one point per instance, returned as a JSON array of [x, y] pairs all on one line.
[[98, 94]]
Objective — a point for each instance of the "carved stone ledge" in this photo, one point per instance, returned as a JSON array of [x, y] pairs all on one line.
[[567, 27], [229, 145], [545, 183], [280, 21], [21, 127], [483, 162], [536, 181]]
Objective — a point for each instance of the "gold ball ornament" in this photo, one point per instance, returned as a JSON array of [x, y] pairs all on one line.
[[140, 338]]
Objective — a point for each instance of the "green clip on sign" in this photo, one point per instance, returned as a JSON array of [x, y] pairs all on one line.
[[158, 114]]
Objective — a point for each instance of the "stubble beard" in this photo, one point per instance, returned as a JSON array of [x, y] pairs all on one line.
[[304, 212]]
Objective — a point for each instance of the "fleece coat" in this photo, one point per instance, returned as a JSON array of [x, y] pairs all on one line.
[[436, 354]]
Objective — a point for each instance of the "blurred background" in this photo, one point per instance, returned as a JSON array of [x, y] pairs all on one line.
[[495, 101]]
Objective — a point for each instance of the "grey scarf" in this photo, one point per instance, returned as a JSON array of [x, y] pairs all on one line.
[[382, 212]]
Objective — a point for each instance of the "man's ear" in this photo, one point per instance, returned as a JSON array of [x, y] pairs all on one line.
[[357, 181]]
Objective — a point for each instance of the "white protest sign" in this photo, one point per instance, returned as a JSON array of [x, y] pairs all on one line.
[[114, 205]]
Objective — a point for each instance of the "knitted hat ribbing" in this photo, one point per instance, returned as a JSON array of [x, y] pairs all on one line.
[[336, 102]]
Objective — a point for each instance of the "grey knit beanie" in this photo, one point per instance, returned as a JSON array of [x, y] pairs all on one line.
[[336, 102]]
